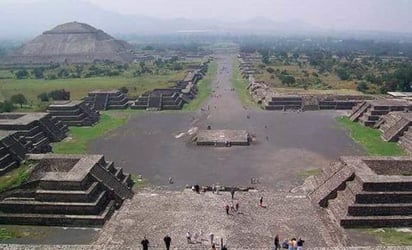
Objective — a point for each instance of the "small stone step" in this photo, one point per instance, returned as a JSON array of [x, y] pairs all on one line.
[[380, 209], [384, 197], [59, 219], [376, 221]]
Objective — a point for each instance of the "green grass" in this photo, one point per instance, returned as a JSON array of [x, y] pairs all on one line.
[[80, 137], [204, 89], [139, 182], [240, 86], [308, 172], [391, 237], [79, 88], [370, 139], [14, 178]]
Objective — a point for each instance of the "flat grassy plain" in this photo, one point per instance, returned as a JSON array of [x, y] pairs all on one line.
[[370, 139], [204, 89], [79, 87], [80, 137]]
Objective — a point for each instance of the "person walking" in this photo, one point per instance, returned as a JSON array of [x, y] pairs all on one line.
[[277, 242], [145, 243], [167, 241], [237, 207], [227, 209], [261, 201], [232, 192], [211, 237], [189, 237]]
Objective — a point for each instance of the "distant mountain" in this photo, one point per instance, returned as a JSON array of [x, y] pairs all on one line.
[[30, 19]]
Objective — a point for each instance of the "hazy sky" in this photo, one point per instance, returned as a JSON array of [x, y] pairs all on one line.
[[369, 14], [385, 15]]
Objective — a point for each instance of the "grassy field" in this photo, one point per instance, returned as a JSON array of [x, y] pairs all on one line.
[[204, 89], [370, 139], [240, 86], [14, 178], [392, 237], [79, 137], [79, 87]]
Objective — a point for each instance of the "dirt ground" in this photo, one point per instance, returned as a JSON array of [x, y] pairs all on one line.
[[157, 146]]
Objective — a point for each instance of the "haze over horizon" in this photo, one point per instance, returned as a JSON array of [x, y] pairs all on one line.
[[29, 17]]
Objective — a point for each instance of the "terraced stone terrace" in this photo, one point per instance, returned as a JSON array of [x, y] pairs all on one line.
[[34, 130], [74, 113], [367, 191], [66, 190]]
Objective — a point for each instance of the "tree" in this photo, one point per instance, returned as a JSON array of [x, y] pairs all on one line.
[[43, 97], [22, 74], [362, 86], [343, 74], [287, 79], [124, 90], [18, 99], [59, 95], [6, 106]]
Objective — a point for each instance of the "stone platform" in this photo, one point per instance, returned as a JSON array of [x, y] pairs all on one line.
[[371, 112], [66, 190], [367, 191], [34, 130], [74, 113], [12, 151], [223, 138], [107, 99]]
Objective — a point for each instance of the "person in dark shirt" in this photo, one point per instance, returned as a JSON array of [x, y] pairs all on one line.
[[167, 241], [300, 244], [277, 243], [145, 243]]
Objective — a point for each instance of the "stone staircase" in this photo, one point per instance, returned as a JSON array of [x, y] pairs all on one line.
[[358, 111], [405, 141], [88, 200], [367, 199], [155, 102], [74, 113], [395, 130], [285, 103]]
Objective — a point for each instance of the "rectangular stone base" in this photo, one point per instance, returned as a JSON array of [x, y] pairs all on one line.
[[223, 138]]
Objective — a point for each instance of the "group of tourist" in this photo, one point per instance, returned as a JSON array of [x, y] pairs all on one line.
[[167, 240], [291, 244]]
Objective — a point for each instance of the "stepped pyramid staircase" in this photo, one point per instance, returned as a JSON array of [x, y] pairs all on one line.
[[66, 190], [367, 191]]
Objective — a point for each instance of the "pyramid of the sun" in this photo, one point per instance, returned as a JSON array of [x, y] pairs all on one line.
[[71, 43]]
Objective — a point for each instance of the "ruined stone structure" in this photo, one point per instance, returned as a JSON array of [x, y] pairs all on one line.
[[66, 190], [74, 113], [367, 191], [285, 102], [395, 126], [370, 112], [34, 130], [12, 151], [106, 99], [246, 64], [222, 138], [71, 43], [172, 98]]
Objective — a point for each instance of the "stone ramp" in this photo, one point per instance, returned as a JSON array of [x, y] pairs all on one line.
[[358, 111], [396, 130]]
